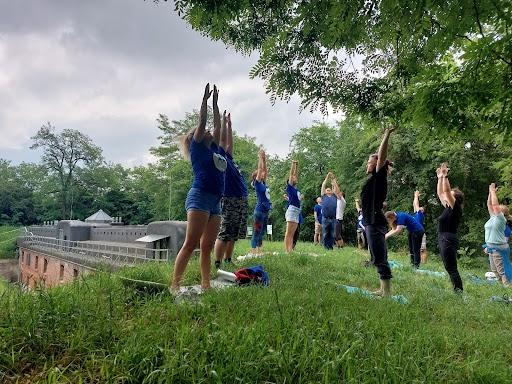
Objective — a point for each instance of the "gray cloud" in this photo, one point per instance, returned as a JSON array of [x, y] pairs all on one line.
[[109, 67]]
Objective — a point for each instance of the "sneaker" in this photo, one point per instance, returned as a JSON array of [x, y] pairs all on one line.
[[217, 264]]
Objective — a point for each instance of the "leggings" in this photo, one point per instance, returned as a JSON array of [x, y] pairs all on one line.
[[448, 246], [415, 247], [376, 236]]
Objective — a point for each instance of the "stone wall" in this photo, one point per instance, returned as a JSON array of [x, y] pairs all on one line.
[[45, 231], [121, 234]]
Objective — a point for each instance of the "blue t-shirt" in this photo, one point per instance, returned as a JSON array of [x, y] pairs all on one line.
[[235, 182], [409, 221], [329, 206], [208, 166], [420, 216], [508, 231], [263, 195], [293, 195], [360, 224], [318, 210]]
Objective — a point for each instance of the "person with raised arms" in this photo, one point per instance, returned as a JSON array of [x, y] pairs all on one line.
[[234, 205], [373, 195], [203, 198], [419, 213], [329, 202], [452, 200], [400, 220], [263, 205], [496, 242], [340, 210], [293, 211]]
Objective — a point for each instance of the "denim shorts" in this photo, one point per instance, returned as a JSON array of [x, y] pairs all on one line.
[[198, 200], [292, 214]]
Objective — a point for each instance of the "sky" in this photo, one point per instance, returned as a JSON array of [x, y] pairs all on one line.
[[108, 67]]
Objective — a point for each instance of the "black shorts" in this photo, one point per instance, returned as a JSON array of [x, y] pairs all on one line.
[[338, 235]]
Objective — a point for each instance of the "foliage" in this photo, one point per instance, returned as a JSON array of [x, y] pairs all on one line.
[[62, 155], [302, 328]]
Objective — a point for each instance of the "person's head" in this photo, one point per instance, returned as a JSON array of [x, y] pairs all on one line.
[[328, 191], [185, 141], [319, 200], [371, 163], [458, 195], [421, 209], [391, 218], [506, 212]]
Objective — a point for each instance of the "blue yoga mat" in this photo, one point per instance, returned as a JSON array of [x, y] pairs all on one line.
[[398, 298]]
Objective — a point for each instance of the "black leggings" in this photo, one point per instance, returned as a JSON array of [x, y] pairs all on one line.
[[448, 246], [415, 247], [376, 235]]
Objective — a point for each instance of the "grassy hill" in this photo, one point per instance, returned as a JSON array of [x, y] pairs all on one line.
[[8, 236], [302, 328]]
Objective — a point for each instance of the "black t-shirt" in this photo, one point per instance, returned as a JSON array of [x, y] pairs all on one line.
[[373, 195], [450, 218]]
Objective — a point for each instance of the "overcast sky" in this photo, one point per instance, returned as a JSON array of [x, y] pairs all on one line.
[[109, 67]]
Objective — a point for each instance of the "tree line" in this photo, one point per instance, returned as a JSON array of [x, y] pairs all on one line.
[[72, 180]]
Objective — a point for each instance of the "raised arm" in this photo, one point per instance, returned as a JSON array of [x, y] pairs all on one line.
[[358, 207], [229, 136], [416, 201], [324, 184], [223, 132], [446, 188], [494, 206], [383, 149], [293, 171], [261, 173], [203, 115], [216, 117], [396, 231], [336, 189]]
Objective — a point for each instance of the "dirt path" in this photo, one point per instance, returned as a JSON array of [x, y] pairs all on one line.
[[9, 270]]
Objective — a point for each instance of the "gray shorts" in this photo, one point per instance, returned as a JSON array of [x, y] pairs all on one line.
[[292, 214]]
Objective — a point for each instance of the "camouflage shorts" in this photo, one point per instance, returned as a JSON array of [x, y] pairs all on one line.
[[233, 225]]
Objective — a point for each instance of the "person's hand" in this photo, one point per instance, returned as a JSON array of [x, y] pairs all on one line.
[[295, 161], [444, 169], [417, 193], [229, 120], [357, 200], [207, 92], [215, 94], [438, 172], [492, 187], [390, 129]]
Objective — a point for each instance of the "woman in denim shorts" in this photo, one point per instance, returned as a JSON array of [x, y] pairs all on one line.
[[293, 210], [203, 199]]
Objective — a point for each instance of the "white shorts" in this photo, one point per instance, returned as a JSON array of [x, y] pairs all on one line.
[[292, 214]]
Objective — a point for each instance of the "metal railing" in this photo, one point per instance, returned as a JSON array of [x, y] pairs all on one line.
[[95, 253]]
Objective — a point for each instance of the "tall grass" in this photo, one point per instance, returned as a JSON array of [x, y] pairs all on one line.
[[302, 328]]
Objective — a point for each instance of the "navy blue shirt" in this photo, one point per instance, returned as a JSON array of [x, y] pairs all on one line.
[[420, 216], [263, 195], [409, 221], [235, 182], [208, 166], [318, 210], [293, 196], [329, 206], [373, 196]]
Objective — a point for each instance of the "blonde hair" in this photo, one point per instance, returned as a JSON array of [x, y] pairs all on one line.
[[184, 143], [506, 212]]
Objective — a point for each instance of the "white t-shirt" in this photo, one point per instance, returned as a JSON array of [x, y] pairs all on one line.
[[340, 208]]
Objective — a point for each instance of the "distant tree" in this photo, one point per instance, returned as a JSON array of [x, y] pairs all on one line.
[[63, 153]]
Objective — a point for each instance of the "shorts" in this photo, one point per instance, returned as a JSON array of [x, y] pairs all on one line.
[[338, 234], [198, 200], [292, 214], [233, 224], [318, 228]]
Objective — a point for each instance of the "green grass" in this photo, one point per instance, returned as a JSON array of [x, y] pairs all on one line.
[[302, 328], [8, 236]]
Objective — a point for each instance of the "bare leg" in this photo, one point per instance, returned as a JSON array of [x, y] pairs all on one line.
[[196, 224], [207, 243], [230, 246], [291, 227], [220, 249]]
